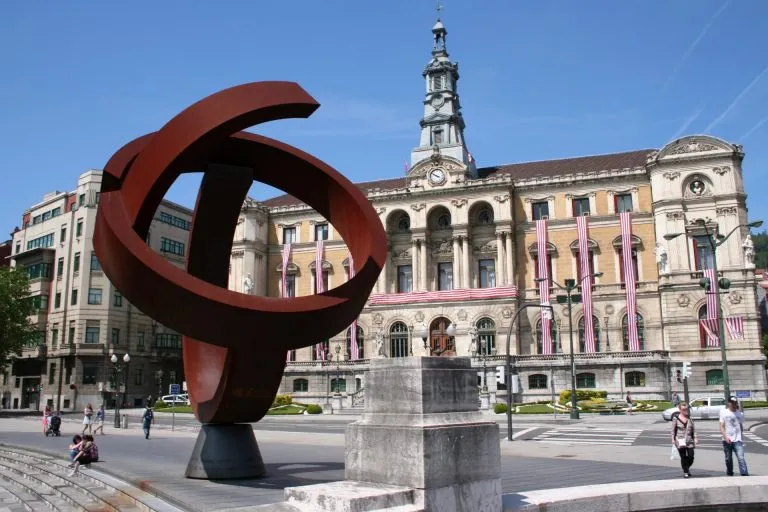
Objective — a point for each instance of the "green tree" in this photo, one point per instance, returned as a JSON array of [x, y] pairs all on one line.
[[761, 249], [15, 309]]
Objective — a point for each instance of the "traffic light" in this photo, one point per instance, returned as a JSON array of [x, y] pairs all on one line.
[[686, 370], [679, 375]]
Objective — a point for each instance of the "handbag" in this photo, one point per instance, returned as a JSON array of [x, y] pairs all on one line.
[[674, 454]]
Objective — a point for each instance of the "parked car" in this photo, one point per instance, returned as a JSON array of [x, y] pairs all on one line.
[[176, 399], [705, 408]]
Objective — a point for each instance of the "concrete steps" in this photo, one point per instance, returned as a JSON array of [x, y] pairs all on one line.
[[40, 482]]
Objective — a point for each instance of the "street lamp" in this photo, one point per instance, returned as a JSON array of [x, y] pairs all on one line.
[[338, 368], [118, 368], [714, 242], [451, 332], [570, 297], [423, 333]]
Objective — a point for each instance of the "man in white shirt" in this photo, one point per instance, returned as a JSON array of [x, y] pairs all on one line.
[[732, 429]]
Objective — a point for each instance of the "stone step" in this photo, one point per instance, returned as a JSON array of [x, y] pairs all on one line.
[[401, 508], [22, 498], [36, 491], [348, 496]]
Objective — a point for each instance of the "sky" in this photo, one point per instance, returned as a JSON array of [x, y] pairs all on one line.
[[538, 80]]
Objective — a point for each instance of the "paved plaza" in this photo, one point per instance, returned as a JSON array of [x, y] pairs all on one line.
[[309, 450]]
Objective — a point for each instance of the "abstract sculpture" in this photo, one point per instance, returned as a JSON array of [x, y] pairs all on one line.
[[232, 374]]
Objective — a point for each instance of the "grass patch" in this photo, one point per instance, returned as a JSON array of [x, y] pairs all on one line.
[[183, 409], [282, 410], [534, 409]]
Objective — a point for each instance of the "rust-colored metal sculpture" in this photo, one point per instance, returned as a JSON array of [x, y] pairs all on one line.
[[235, 345]]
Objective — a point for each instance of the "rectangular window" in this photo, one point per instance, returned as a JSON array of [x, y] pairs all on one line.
[[92, 334], [437, 137], [94, 296], [115, 336], [52, 374], [487, 273], [41, 242], [404, 279], [540, 210], [81, 200], [175, 221], [73, 301], [537, 381], [634, 265], [290, 285], [172, 246], [76, 263], [63, 235], [79, 228], [71, 334], [39, 271], [117, 299], [37, 219], [60, 267], [57, 300], [55, 335], [623, 203], [585, 380], [140, 339], [40, 302], [580, 206], [56, 211], [95, 265], [90, 373], [535, 259], [321, 232], [702, 252], [46, 216], [324, 275], [18, 247], [138, 377], [289, 235], [168, 341], [591, 261], [445, 276], [96, 197]]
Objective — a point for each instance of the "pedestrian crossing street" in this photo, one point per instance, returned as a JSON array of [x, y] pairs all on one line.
[[590, 435]]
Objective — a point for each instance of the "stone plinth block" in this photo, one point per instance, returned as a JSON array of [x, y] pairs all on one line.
[[226, 451], [348, 497], [421, 429]]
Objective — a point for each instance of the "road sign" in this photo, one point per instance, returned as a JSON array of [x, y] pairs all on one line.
[[743, 394], [175, 389]]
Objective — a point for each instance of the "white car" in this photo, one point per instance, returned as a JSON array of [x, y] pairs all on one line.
[[176, 399], [705, 408]]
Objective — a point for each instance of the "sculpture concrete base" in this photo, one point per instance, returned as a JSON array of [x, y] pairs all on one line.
[[224, 452]]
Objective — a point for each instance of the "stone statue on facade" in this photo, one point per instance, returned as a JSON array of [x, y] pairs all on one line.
[[662, 258], [248, 284], [380, 344], [472, 340], [749, 252]]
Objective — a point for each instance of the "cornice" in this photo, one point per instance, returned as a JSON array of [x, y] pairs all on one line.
[[565, 179]]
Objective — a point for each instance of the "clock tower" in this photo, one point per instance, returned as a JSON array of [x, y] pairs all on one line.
[[442, 127]]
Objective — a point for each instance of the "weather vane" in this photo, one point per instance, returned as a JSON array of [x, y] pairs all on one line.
[[438, 8]]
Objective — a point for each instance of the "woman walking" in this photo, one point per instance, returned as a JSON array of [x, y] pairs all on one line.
[[46, 419], [684, 438], [87, 419], [629, 404], [99, 420]]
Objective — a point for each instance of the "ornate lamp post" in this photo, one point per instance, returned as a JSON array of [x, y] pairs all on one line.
[[423, 333], [714, 241], [118, 368], [569, 298], [338, 369]]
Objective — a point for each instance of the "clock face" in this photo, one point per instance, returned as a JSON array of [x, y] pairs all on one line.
[[436, 176], [437, 102]]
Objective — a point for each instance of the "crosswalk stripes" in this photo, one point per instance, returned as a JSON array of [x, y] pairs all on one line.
[[589, 436], [754, 437]]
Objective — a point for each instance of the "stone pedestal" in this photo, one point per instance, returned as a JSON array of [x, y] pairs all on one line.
[[484, 401], [337, 402], [492, 399], [421, 430], [226, 451]]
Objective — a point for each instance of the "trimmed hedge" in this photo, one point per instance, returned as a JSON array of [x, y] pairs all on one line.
[[282, 400], [581, 394], [499, 408], [314, 409]]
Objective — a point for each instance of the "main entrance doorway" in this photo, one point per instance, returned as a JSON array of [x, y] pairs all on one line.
[[440, 343]]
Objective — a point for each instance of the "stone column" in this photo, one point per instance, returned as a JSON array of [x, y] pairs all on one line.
[[500, 274], [510, 259], [466, 249], [423, 274], [415, 264], [456, 274], [381, 286]]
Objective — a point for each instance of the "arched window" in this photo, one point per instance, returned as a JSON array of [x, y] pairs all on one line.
[[585, 380], [702, 331], [338, 385], [634, 379], [404, 224], [640, 331], [398, 340], [320, 351], [485, 216], [444, 221], [360, 343], [486, 336], [537, 381], [540, 337], [300, 385], [714, 377], [582, 334]]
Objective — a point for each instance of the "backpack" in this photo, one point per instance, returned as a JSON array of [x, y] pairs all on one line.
[[94, 452]]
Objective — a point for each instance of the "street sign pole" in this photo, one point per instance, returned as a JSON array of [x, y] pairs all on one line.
[[685, 391], [175, 391]]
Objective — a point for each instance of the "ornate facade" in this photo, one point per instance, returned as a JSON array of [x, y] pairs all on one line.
[[464, 258]]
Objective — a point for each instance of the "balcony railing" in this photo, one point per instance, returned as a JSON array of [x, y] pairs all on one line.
[[328, 364]]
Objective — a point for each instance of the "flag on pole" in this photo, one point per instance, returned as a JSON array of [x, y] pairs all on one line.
[[406, 168], [629, 280], [582, 226], [543, 273], [713, 334], [319, 284], [469, 157]]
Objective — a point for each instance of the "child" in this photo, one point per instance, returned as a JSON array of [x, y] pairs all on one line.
[[74, 448]]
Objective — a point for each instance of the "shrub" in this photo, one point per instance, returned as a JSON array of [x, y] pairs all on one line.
[[282, 400], [499, 408], [581, 394], [314, 409], [161, 405]]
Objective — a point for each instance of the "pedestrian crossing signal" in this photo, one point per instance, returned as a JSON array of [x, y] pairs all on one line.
[[679, 375]]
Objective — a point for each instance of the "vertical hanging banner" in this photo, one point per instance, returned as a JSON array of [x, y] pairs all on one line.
[[735, 327], [543, 273], [711, 326], [582, 226], [629, 280], [283, 279], [319, 285], [354, 352]]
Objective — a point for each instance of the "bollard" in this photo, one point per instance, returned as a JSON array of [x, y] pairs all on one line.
[[125, 421]]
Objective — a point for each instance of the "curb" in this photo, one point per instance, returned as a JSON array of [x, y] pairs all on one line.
[[756, 424], [125, 477]]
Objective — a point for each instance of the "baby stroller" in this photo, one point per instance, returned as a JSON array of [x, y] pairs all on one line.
[[54, 427]]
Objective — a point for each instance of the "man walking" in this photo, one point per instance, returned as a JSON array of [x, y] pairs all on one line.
[[675, 399], [732, 429], [147, 420]]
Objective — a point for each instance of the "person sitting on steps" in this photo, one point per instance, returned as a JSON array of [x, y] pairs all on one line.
[[84, 456]]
